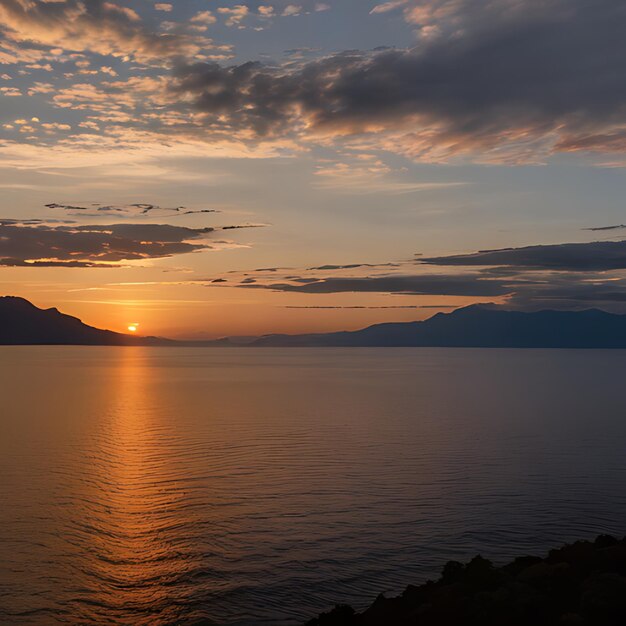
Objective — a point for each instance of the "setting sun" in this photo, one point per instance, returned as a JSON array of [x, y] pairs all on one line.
[[133, 328]]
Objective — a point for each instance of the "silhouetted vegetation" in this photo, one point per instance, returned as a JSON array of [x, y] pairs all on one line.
[[582, 584]]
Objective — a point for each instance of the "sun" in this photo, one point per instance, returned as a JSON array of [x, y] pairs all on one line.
[[133, 328]]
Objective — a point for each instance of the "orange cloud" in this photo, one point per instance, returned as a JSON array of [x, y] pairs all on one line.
[[101, 27]]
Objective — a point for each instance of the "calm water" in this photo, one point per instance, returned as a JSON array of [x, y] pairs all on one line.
[[153, 487]]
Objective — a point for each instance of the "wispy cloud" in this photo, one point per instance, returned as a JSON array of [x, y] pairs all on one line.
[[128, 210], [600, 228], [370, 176]]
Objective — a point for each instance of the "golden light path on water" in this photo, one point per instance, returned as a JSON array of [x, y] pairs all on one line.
[[137, 508]]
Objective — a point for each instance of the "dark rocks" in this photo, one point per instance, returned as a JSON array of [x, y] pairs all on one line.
[[581, 584]]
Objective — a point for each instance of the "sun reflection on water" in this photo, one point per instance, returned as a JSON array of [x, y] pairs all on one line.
[[138, 509]]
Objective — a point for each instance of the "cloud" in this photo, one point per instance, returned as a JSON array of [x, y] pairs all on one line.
[[370, 177], [238, 226], [494, 75], [387, 6], [204, 17], [400, 306], [123, 152], [135, 210], [10, 92], [572, 291], [450, 285], [349, 266], [579, 257], [33, 243], [615, 227], [560, 275], [292, 10], [510, 81], [96, 26], [234, 15]]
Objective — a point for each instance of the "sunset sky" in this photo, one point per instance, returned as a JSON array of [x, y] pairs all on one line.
[[207, 168]]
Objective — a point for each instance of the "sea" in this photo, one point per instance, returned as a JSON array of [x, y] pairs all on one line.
[[248, 486]]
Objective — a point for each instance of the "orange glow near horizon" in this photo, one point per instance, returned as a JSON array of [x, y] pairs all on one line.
[[191, 312]]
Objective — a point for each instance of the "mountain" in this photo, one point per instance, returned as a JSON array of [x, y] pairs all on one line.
[[22, 323], [476, 326], [479, 326]]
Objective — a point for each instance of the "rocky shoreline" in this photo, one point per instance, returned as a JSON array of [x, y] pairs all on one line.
[[580, 584]]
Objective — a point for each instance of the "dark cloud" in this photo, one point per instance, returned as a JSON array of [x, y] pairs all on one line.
[[11, 262], [340, 267], [127, 210], [581, 257], [351, 266], [33, 222], [560, 275], [535, 290], [237, 227], [573, 292], [27, 244], [616, 227], [450, 285], [406, 306], [494, 72], [66, 207]]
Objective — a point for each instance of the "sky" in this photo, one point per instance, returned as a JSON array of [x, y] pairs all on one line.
[[201, 168]]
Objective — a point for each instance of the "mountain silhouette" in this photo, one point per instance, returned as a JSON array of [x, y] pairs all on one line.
[[479, 326], [22, 323], [476, 326]]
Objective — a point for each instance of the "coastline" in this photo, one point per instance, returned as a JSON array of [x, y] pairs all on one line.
[[579, 584]]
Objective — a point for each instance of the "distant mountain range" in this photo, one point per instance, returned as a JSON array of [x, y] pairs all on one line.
[[480, 326], [476, 326]]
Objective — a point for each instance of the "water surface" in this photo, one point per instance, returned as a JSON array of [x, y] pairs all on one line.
[[160, 486]]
